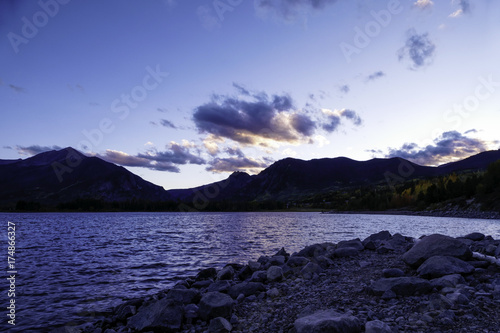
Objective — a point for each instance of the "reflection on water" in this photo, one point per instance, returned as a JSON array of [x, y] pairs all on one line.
[[72, 266]]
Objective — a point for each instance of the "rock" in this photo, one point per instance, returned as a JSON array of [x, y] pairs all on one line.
[[184, 296], [438, 266], [393, 272], [208, 273], [191, 311], [259, 276], [274, 273], [309, 270], [377, 326], [354, 243], [219, 325], [497, 252], [447, 281], [227, 273], [214, 304], [245, 272], [277, 260], [385, 248], [312, 251], [475, 236], [297, 261], [344, 252], [327, 321], [245, 288], [378, 237], [436, 245], [254, 265], [458, 298], [404, 286], [220, 286], [165, 314], [123, 312], [202, 284], [273, 293]]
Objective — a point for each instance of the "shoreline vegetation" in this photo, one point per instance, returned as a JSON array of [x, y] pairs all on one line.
[[384, 283]]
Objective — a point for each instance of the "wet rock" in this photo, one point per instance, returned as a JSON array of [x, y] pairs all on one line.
[[220, 286], [184, 296], [309, 270], [475, 236], [312, 251], [274, 273], [165, 314], [404, 286], [345, 252], [327, 321], [277, 260], [377, 326], [438, 266], [379, 236], [215, 304], [354, 243], [245, 288], [202, 284], [297, 261], [436, 245], [208, 273], [219, 325], [227, 273], [254, 265]]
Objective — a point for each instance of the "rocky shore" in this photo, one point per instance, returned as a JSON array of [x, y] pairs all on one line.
[[384, 283]]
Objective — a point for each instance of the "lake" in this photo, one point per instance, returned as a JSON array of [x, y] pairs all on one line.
[[71, 266]]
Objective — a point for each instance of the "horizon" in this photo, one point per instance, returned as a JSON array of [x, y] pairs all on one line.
[[185, 94]]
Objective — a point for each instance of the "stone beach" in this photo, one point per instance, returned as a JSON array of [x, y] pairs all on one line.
[[384, 283]]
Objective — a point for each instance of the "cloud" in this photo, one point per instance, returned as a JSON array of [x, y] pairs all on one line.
[[418, 48], [33, 149], [464, 8], [17, 89], [334, 118], [175, 154], [289, 10], [446, 148], [232, 164], [344, 89], [423, 4], [374, 76], [167, 123], [253, 119]]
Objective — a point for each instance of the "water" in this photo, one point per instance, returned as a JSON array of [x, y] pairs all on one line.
[[72, 266]]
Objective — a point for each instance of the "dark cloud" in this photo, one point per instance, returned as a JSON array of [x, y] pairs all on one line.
[[449, 146], [234, 151], [34, 149], [17, 89], [374, 76], [303, 124], [289, 10], [251, 120], [344, 89], [167, 160], [419, 49], [167, 123], [334, 119], [231, 164]]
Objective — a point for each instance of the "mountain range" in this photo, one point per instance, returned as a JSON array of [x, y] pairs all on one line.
[[65, 175]]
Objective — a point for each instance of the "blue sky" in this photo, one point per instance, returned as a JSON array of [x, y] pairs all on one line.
[[184, 93]]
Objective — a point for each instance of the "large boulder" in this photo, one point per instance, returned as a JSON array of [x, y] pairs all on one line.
[[214, 304], [312, 251], [227, 273], [377, 326], [245, 288], [164, 315], [403, 286], [219, 325], [436, 245], [354, 243], [297, 261], [327, 321], [310, 269], [344, 252], [438, 266], [184, 296], [274, 273]]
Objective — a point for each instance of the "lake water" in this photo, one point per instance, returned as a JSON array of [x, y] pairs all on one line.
[[71, 266]]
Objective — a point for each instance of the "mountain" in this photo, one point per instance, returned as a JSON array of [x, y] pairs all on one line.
[[64, 175], [291, 178]]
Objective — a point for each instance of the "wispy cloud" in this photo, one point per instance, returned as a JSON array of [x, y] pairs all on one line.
[[334, 118], [167, 123], [448, 147], [374, 76], [33, 149], [463, 8], [289, 10], [17, 89], [423, 4], [232, 164], [344, 89], [418, 48]]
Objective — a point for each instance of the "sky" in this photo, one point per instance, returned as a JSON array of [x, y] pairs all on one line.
[[183, 93]]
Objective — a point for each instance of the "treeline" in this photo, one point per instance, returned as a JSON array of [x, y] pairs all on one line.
[[418, 193]]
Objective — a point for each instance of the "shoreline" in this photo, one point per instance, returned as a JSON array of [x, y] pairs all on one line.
[[386, 282]]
